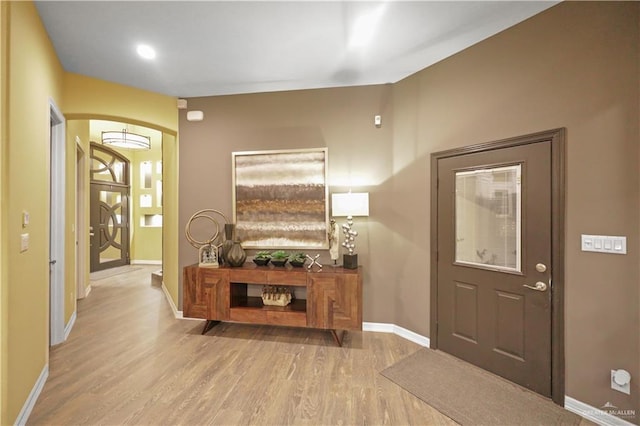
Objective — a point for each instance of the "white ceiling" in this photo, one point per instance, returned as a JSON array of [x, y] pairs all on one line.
[[229, 47]]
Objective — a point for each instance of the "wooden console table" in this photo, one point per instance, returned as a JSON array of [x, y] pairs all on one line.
[[334, 297]]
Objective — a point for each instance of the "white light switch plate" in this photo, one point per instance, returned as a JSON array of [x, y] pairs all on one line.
[[604, 244], [24, 242]]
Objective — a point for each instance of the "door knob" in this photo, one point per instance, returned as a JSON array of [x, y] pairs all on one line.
[[540, 286]]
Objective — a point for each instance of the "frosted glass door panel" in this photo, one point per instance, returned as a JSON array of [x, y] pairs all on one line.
[[488, 218]]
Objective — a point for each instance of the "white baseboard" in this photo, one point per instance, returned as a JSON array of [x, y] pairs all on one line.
[[22, 418], [145, 262], [395, 329], [85, 293], [174, 309], [594, 414], [70, 324]]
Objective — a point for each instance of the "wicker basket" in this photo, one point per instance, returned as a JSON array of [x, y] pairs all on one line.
[[276, 296]]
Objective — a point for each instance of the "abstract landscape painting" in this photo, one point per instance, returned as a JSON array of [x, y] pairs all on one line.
[[280, 198]]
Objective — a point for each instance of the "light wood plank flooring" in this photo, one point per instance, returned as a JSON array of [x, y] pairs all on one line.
[[129, 361]]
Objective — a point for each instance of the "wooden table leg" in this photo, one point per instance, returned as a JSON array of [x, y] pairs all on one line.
[[208, 325], [337, 338]]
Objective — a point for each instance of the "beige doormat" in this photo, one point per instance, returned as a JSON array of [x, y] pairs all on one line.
[[472, 396], [107, 273]]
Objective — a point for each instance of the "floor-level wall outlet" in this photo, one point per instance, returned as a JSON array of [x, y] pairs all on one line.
[[621, 381]]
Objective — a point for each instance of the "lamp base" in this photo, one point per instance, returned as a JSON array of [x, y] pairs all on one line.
[[350, 261]]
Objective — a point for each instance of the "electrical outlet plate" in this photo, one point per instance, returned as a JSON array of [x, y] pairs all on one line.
[[626, 388]]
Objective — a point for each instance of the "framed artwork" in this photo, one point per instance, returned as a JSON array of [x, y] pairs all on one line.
[[280, 198]]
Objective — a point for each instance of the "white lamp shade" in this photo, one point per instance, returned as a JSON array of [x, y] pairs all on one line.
[[125, 139], [350, 204]]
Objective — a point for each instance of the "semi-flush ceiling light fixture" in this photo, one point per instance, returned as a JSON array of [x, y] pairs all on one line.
[[124, 139]]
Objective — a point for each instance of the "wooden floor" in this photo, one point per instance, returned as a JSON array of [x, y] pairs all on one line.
[[129, 361]]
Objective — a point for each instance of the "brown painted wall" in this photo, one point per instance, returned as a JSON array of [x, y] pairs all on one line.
[[573, 66], [340, 119]]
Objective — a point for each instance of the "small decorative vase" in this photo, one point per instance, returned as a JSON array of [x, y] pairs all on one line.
[[236, 255], [229, 237]]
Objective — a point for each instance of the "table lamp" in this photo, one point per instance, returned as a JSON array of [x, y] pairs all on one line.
[[350, 204]]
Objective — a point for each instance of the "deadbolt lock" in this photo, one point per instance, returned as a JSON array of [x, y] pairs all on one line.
[[541, 267]]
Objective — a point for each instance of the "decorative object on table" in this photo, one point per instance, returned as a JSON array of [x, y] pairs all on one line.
[[334, 242], [236, 255], [262, 258], [279, 258], [207, 249], [314, 261], [282, 190], [298, 259], [208, 256], [229, 238], [349, 205], [276, 296]]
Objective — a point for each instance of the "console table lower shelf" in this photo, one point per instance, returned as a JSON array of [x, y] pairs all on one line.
[[338, 335], [333, 297]]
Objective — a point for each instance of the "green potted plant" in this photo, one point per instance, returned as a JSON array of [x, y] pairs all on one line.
[[279, 257], [298, 259], [262, 258]]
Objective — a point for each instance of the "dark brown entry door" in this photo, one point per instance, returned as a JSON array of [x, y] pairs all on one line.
[[110, 226], [494, 261], [109, 212]]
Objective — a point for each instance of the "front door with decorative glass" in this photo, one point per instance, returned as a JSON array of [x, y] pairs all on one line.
[[109, 233]]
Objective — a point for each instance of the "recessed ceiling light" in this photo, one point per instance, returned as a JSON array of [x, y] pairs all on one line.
[[365, 27], [146, 51]]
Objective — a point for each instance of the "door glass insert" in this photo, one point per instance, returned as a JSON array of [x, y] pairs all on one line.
[[110, 226], [488, 218], [106, 167]]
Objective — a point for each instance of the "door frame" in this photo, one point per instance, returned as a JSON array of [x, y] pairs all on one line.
[[57, 224], [82, 230], [557, 139]]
